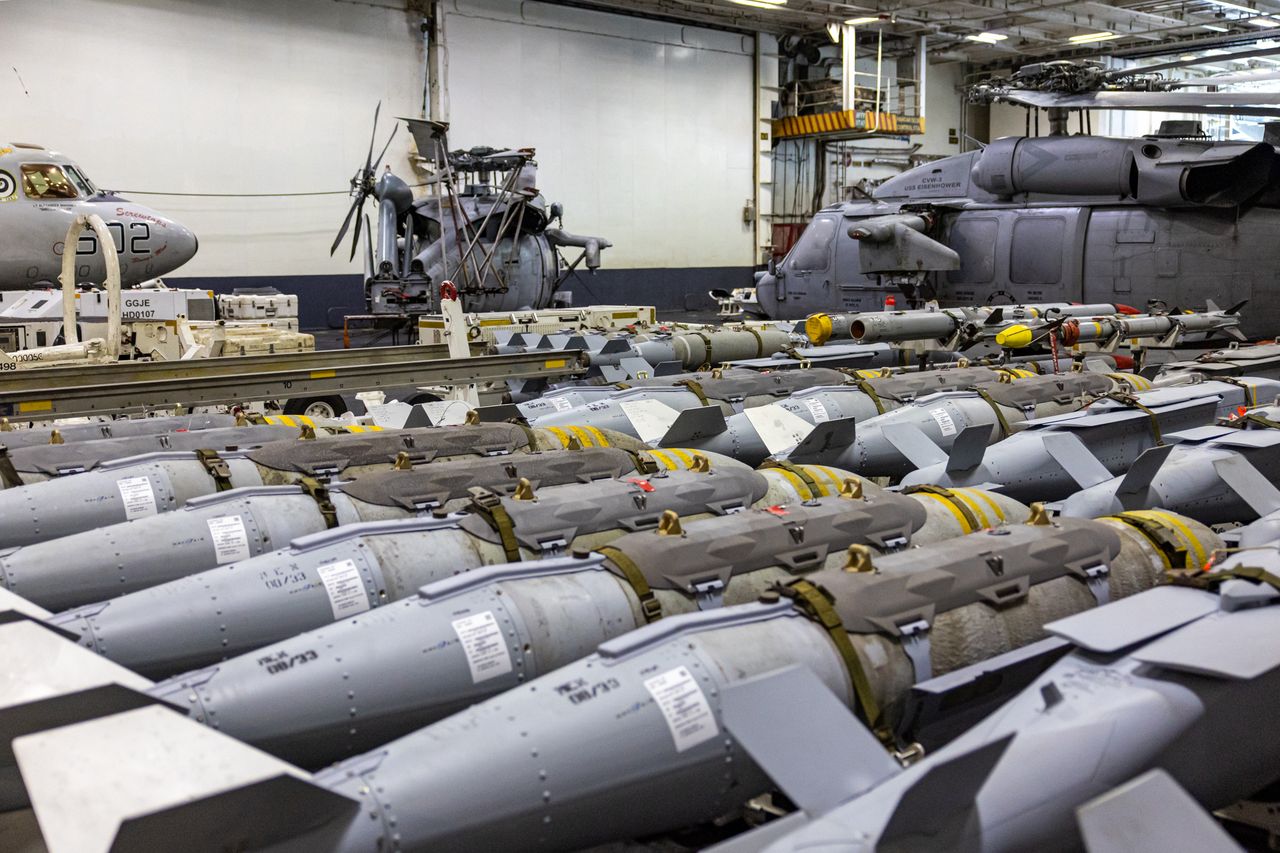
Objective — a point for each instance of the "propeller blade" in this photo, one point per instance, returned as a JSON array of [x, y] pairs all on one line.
[[355, 240], [368, 248], [1228, 79], [1183, 63], [368, 160], [384, 152], [345, 224]]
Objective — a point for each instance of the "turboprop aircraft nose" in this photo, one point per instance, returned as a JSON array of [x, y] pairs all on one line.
[[154, 243], [176, 245]]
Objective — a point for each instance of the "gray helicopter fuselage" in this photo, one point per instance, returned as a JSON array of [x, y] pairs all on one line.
[[1099, 220], [42, 192]]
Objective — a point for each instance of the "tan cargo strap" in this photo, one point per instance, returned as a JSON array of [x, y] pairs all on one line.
[[256, 418], [706, 340], [642, 464], [952, 500], [1162, 535], [760, 353], [865, 387], [815, 491], [816, 603], [217, 468], [696, 387], [319, 493], [1242, 421], [649, 604], [489, 506], [530, 435], [1251, 391], [9, 478], [1210, 581], [1132, 402], [1005, 431]]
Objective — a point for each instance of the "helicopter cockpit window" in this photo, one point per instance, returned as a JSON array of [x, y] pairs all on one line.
[[975, 241], [46, 181], [1035, 253], [812, 251], [78, 178]]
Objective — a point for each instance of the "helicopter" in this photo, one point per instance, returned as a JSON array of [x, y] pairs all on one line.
[[483, 226], [42, 192], [1168, 220]]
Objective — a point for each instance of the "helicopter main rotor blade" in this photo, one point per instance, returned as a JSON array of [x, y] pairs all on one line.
[[1224, 103], [1228, 79], [384, 151], [368, 160], [355, 240], [1184, 63], [346, 223]]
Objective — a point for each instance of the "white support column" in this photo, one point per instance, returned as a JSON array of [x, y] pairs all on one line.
[[766, 95]]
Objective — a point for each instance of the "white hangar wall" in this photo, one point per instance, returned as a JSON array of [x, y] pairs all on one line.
[[643, 131]]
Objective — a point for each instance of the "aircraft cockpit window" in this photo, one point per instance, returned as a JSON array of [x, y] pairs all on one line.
[[46, 181], [812, 251], [77, 177]]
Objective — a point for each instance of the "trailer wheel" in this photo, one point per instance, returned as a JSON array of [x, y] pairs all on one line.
[[316, 407]]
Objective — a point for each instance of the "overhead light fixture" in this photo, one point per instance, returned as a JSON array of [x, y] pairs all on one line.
[[868, 19], [1214, 27], [1187, 57], [1090, 38], [761, 4], [987, 38], [833, 30]]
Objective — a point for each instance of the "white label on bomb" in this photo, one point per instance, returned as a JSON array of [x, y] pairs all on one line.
[[779, 429], [650, 418], [230, 539], [561, 404], [684, 706], [486, 652], [943, 417], [139, 499], [345, 588], [815, 408]]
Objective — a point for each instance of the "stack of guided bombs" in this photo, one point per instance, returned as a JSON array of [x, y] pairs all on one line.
[[560, 608], [200, 618], [625, 738], [140, 486]]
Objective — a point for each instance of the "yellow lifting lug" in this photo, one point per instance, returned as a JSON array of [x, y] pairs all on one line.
[[859, 559], [669, 524]]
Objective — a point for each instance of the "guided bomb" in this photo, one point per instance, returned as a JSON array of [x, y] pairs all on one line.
[[490, 629], [235, 525], [141, 486], [1052, 457], [202, 618], [121, 428]]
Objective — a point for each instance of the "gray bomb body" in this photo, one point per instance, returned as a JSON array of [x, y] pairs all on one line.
[[152, 483], [747, 437], [1176, 694], [225, 527], [122, 428], [1050, 458], [897, 442], [199, 619], [534, 617], [1215, 474], [630, 741]]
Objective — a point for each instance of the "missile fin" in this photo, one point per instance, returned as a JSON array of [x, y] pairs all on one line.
[[1075, 459], [830, 759], [615, 345], [1150, 814], [1235, 309], [419, 417], [488, 414], [692, 425], [1142, 472], [911, 442], [940, 802], [969, 448], [668, 368], [134, 781], [1210, 306], [824, 444], [636, 368], [1248, 484]]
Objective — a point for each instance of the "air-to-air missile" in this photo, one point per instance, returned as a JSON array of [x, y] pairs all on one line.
[[199, 619], [627, 742], [941, 324], [35, 463], [553, 611], [152, 483], [1254, 360], [1052, 457], [1164, 706], [892, 442], [92, 431], [224, 527], [1224, 473], [1110, 331]]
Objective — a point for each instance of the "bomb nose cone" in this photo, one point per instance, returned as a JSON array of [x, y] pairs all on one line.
[[1014, 337]]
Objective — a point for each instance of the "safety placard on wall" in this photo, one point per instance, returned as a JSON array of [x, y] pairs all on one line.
[[482, 642], [779, 429], [230, 539], [684, 706], [139, 499], [945, 423], [345, 588]]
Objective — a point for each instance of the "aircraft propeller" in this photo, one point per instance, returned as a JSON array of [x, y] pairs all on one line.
[[363, 185]]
